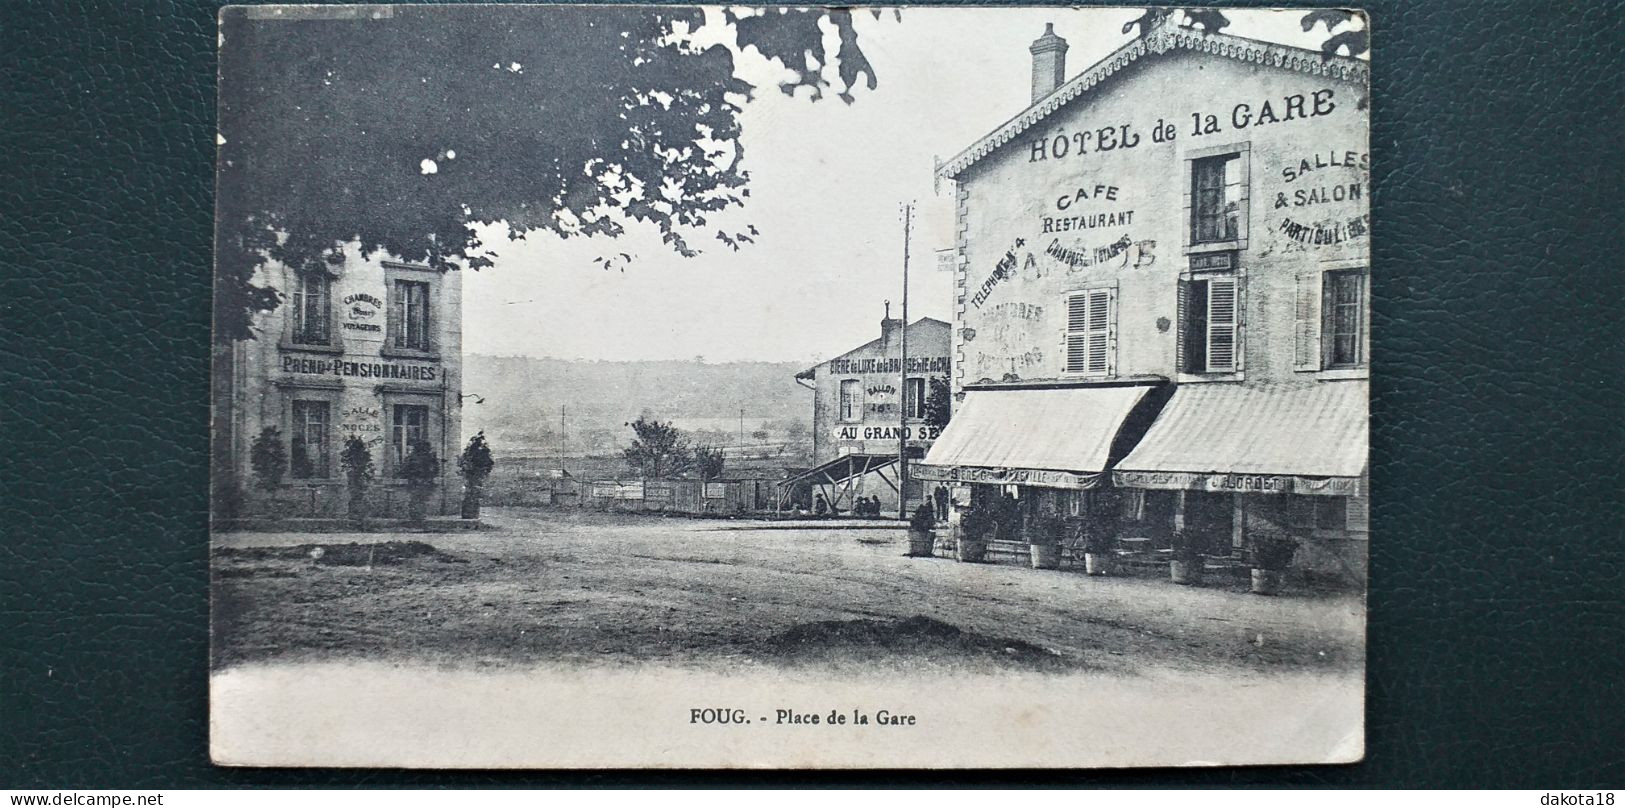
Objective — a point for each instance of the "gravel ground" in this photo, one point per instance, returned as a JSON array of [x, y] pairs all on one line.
[[543, 587]]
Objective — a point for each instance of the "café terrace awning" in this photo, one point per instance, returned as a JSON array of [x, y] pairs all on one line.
[[1275, 440], [1055, 438]]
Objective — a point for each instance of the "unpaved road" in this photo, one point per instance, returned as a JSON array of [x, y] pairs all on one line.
[[565, 587]]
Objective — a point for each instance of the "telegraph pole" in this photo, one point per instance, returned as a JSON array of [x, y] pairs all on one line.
[[561, 441], [902, 397]]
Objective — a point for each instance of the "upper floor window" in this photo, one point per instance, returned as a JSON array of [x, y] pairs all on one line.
[[312, 309], [1217, 194], [311, 425], [1091, 319], [851, 400], [1342, 316], [409, 315], [1209, 337], [914, 398], [1333, 320]]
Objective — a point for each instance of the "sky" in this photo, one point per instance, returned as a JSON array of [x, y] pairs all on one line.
[[828, 184]]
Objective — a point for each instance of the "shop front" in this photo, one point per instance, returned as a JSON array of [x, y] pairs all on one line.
[[1032, 464], [1240, 462]]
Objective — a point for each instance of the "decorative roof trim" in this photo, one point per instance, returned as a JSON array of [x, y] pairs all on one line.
[[1166, 37]]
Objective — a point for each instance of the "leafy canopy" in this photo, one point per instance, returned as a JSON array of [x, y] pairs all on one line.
[[657, 446], [402, 132]]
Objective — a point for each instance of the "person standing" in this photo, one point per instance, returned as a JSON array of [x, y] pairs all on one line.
[[942, 502]]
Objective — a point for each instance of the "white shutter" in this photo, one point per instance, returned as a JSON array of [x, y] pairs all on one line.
[[1100, 305], [1306, 323], [1090, 337], [1358, 515], [397, 325], [1077, 333], [1221, 324]]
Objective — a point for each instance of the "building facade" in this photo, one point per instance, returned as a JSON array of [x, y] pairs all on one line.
[[864, 406], [365, 347], [1165, 260]]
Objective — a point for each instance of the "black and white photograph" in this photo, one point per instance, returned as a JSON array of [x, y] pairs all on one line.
[[702, 387]]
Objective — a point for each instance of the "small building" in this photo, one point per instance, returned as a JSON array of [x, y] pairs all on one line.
[[1162, 305], [361, 347], [865, 409]]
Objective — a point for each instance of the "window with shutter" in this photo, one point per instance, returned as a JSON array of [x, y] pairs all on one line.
[[914, 398], [1090, 327], [851, 400], [1221, 325]]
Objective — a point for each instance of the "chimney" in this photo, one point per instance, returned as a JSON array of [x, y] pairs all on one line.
[[1049, 62], [888, 326]]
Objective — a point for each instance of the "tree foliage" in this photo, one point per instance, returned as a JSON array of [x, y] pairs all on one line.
[[421, 467], [356, 462], [708, 462], [1208, 19], [657, 447], [1355, 42], [269, 458], [476, 463], [939, 403], [398, 131]]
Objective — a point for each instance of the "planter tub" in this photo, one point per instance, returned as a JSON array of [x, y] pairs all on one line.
[[970, 551], [1266, 582], [921, 543], [1045, 556], [1186, 572], [1097, 563], [417, 509]]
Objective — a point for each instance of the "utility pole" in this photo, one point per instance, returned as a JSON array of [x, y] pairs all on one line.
[[902, 398], [561, 441]]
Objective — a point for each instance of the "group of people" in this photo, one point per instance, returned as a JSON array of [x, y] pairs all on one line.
[[866, 506], [870, 506]]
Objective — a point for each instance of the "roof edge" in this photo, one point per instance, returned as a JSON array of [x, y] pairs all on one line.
[[1167, 36]]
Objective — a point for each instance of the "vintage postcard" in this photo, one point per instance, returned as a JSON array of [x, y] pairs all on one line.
[[691, 386]]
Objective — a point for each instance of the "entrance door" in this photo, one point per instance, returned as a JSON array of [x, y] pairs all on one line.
[[1211, 517]]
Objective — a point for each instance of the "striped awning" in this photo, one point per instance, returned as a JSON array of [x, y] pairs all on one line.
[[1051, 437], [1310, 439]]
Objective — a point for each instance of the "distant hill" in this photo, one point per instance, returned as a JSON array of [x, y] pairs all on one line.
[[522, 396]]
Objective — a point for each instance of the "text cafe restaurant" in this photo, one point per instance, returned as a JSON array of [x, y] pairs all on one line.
[[367, 347], [1162, 297]]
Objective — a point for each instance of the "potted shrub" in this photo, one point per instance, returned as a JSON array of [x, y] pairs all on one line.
[[356, 462], [1270, 554], [921, 537], [1185, 567], [1097, 548], [971, 544], [1044, 541], [475, 464], [269, 459], [420, 468]]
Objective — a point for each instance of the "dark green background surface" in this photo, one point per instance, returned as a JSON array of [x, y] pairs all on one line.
[[1497, 646]]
